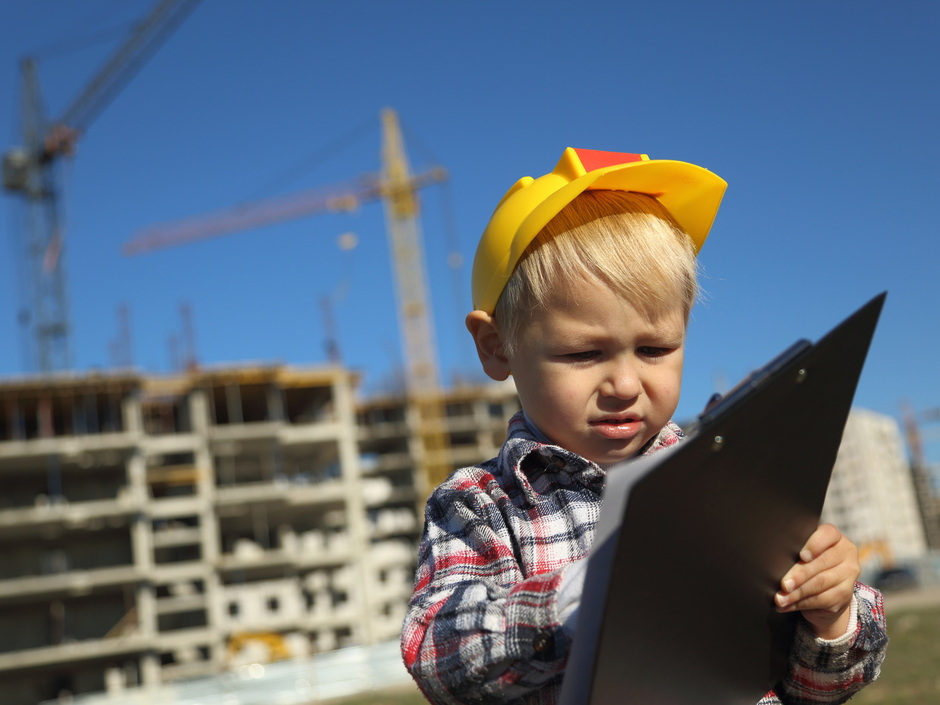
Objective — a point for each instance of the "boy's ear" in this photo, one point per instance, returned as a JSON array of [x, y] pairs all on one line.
[[489, 345]]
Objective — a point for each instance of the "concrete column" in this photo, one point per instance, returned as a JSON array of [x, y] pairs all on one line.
[[355, 504], [150, 669], [208, 522], [275, 403], [142, 544], [131, 414]]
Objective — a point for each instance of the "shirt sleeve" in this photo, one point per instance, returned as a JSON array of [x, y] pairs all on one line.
[[833, 670], [477, 629]]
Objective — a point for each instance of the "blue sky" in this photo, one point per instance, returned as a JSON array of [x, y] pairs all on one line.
[[822, 116]]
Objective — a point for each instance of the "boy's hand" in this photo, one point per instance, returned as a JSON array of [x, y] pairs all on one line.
[[822, 584]]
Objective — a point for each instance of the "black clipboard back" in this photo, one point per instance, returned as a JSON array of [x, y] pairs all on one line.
[[692, 542]]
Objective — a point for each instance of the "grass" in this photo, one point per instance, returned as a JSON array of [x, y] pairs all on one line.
[[911, 671], [403, 695], [910, 674]]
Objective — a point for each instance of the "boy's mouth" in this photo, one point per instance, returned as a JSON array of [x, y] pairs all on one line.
[[617, 427], [616, 420]]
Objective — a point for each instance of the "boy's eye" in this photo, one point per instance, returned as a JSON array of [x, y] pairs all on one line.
[[651, 351], [582, 355]]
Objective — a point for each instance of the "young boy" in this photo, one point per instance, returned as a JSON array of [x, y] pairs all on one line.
[[582, 287]]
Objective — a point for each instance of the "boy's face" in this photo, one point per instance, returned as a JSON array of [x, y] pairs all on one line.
[[596, 375]]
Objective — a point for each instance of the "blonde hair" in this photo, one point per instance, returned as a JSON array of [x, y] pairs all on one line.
[[626, 241]]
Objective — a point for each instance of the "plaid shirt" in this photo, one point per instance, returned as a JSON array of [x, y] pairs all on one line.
[[482, 625]]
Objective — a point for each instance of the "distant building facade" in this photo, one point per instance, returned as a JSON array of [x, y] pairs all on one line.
[[162, 528], [871, 496]]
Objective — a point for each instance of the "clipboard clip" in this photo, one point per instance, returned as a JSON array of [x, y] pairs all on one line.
[[717, 407]]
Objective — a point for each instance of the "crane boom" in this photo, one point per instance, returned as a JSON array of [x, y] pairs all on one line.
[[255, 214], [124, 63], [247, 216]]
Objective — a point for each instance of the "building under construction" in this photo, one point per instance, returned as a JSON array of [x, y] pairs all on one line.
[[872, 496], [161, 528]]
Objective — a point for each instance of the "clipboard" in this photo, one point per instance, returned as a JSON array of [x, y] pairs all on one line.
[[692, 542]]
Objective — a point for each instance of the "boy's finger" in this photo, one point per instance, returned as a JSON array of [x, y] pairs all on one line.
[[814, 560], [789, 599], [825, 537], [800, 574], [838, 577], [833, 600]]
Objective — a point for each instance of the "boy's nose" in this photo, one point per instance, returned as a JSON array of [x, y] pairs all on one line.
[[622, 382]]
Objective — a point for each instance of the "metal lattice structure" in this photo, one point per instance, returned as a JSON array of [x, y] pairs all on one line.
[[30, 172]]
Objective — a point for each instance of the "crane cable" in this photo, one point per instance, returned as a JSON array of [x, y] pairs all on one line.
[[308, 163]]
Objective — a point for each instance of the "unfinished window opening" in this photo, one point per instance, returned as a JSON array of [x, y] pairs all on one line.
[[306, 405], [99, 547], [234, 403], [180, 588], [175, 524], [88, 477], [26, 485], [49, 414], [310, 464], [166, 415], [172, 475], [176, 621], [463, 438], [256, 404], [177, 554], [241, 468], [12, 421], [344, 637], [383, 416], [459, 410]]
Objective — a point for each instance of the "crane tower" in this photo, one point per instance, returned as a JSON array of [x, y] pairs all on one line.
[[407, 253], [29, 171]]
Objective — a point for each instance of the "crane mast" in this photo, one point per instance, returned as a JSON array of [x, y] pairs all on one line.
[[30, 171], [927, 499], [407, 254]]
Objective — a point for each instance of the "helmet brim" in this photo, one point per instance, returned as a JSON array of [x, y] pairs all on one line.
[[691, 194]]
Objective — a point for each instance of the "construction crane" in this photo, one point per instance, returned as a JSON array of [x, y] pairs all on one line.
[[29, 171], [927, 498], [397, 187]]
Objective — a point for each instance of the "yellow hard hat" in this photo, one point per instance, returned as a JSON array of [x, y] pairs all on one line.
[[690, 193]]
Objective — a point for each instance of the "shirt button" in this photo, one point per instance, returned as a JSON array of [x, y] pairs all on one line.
[[542, 642]]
